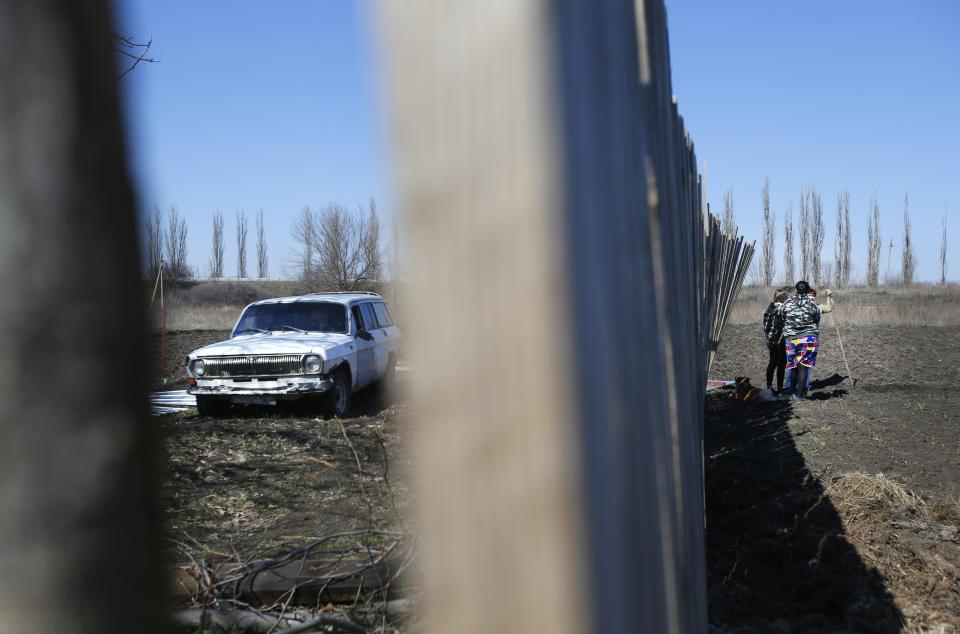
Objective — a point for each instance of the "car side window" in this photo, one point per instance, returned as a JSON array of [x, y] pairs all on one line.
[[369, 318], [357, 319], [383, 315]]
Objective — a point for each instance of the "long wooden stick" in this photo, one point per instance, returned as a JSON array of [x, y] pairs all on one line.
[[836, 324]]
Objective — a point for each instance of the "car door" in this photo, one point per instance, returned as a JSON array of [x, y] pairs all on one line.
[[382, 347], [385, 321], [366, 370]]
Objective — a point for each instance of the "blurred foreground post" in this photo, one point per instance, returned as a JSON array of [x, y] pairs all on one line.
[[565, 297], [79, 550]]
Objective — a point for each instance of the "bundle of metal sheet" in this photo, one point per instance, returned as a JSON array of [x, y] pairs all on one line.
[[171, 402]]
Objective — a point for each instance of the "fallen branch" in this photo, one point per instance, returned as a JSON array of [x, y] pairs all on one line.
[[259, 623], [242, 620], [929, 530], [303, 576], [330, 621]]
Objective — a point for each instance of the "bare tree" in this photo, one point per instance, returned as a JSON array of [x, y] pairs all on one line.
[[729, 223], [873, 243], [828, 273], [769, 235], [372, 259], [241, 243], [216, 253], [395, 260], [155, 243], [788, 269], [393, 253], [79, 539], [908, 264], [816, 236], [943, 249], [344, 247], [302, 231], [841, 241], [805, 233], [176, 264], [261, 247], [847, 240], [838, 244]]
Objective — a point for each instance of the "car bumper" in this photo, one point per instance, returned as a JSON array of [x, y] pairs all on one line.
[[240, 390]]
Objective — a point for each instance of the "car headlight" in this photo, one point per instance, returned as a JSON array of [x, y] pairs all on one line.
[[312, 363], [199, 367]]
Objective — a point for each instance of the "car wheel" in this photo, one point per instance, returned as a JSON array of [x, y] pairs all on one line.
[[338, 398], [210, 406]]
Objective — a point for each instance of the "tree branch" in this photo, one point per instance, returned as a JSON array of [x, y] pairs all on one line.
[[136, 51]]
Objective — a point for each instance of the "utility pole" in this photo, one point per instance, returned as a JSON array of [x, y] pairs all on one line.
[[889, 255]]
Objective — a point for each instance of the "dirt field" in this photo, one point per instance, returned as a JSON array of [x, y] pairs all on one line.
[[264, 486], [176, 346], [840, 513], [903, 415], [804, 534], [264, 480]]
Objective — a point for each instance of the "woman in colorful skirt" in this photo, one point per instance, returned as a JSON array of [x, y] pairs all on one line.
[[801, 333]]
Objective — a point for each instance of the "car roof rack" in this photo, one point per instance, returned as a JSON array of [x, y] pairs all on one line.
[[345, 293]]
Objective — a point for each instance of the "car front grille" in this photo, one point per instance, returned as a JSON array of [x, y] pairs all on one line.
[[254, 365]]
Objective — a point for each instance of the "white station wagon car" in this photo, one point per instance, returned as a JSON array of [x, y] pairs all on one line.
[[327, 344]]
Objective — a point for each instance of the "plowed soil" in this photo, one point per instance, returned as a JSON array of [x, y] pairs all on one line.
[[903, 415], [837, 514]]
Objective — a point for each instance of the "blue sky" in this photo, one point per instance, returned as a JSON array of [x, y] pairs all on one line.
[[857, 94], [254, 105], [276, 105]]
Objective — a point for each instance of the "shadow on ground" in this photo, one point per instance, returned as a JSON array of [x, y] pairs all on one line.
[[827, 395], [777, 557], [830, 381]]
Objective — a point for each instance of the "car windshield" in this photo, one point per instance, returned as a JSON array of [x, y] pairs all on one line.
[[293, 317]]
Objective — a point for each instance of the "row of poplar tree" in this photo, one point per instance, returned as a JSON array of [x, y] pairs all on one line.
[[809, 236]]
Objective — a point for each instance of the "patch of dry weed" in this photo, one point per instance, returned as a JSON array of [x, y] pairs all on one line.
[[912, 542]]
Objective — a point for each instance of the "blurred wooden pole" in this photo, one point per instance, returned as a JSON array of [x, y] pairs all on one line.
[[79, 520], [564, 295], [480, 175]]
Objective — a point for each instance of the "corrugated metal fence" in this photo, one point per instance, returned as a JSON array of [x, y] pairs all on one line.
[[567, 290]]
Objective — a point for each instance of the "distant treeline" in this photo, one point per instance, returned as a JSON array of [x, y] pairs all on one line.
[[809, 236], [336, 247]]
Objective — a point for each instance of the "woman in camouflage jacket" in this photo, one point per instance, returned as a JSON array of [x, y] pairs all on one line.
[[801, 331], [773, 330]]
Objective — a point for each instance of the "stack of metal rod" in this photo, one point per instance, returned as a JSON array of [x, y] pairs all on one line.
[[726, 261]]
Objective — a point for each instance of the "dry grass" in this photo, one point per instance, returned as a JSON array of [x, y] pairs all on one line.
[[912, 542], [914, 305], [863, 497], [199, 317], [217, 304]]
